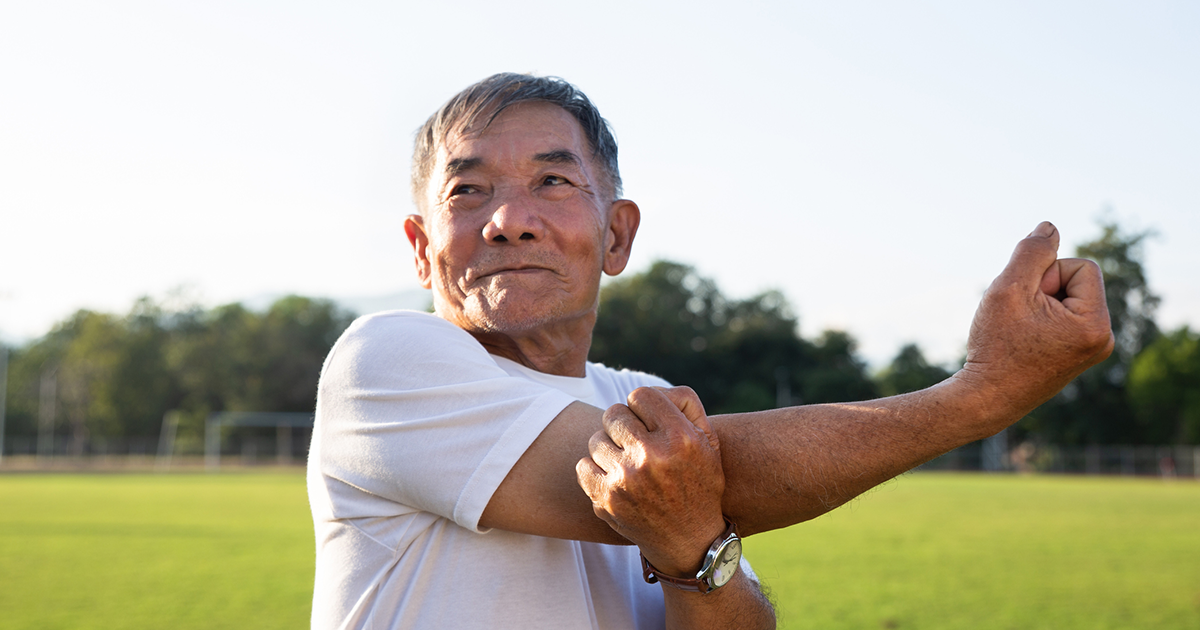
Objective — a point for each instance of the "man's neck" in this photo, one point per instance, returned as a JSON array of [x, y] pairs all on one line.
[[561, 349]]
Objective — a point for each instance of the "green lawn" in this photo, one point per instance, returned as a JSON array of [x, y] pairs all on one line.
[[974, 551], [144, 551], [235, 550]]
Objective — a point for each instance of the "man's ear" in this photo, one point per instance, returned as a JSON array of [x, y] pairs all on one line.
[[414, 229], [625, 216]]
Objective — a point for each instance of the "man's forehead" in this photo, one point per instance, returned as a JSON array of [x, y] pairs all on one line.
[[534, 131]]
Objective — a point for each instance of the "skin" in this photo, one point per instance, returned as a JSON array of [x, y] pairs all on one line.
[[513, 236]]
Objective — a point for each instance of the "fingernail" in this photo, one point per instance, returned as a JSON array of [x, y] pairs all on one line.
[[1044, 229]]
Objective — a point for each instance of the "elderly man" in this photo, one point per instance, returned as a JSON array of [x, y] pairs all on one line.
[[463, 473]]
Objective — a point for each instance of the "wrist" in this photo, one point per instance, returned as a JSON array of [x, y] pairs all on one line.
[[720, 564], [989, 401], [684, 557]]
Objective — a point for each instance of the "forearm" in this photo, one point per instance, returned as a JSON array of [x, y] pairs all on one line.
[[738, 604], [784, 466]]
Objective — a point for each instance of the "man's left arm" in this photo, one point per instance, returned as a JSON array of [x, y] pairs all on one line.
[[658, 482], [1041, 323]]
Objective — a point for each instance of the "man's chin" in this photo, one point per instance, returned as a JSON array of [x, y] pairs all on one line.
[[511, 322], [516, 317], [517, 313]]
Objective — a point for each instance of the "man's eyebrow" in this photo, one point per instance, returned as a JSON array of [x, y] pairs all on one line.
[[460, 165], [559, 156]]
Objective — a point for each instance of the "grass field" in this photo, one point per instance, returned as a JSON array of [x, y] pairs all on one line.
[[927, 551], [144, 551]]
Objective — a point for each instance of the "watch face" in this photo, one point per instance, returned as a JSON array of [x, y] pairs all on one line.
[[726, 565]]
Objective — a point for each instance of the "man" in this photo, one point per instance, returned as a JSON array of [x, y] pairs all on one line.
[[463, 473]]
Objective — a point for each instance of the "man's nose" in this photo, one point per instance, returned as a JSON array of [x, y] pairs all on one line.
[[515, 219]]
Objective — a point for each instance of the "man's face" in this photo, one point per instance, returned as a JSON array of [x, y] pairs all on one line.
[[517, 226]]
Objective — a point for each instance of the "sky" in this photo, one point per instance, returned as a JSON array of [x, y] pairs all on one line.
[[874, 161]]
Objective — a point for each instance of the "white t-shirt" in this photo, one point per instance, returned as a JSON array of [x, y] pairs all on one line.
[[416, 427]]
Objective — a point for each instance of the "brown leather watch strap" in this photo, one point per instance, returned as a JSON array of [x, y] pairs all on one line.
[[653, 575]]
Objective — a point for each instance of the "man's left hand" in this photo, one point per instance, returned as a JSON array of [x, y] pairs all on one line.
[[654, 475]]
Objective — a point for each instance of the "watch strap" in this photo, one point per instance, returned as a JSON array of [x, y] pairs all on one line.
[[653, 575]]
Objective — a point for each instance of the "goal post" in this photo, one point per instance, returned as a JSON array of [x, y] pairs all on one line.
[[283, 422]]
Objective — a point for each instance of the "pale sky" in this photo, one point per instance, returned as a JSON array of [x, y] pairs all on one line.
[[875, 161]]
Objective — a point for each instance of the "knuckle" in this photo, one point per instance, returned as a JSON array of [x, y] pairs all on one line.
[[686, 391], [616, 416], [640, 396], [615, 411]]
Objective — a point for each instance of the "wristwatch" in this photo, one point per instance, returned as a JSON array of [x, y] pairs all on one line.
[[720, 564]]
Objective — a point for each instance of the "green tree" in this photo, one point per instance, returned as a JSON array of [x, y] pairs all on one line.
[[757, 360], [109, 375], [213, 355], [116, 376], [1164, 388], [27, 366], [909, 372], [738, 355], [297, 333], [837, 374]]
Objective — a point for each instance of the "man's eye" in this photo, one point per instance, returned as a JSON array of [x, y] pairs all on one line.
[[554, 180], [464, 189]]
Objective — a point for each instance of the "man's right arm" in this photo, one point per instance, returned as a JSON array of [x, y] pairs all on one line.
[[1041, 323]]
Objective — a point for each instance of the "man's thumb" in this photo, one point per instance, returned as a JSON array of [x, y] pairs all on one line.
[[1033, 256]]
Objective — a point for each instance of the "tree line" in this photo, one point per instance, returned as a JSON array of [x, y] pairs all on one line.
[[98, 376]]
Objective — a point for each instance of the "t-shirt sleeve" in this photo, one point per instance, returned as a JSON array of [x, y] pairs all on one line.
[[412, 409]]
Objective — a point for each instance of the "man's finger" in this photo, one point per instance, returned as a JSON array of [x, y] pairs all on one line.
[[1083, 284], [654, 408], [605, 453], [590, 477], [593, 482], [688, 403], [676, 407], [1032, 257], [1052, 280], [623, 426]]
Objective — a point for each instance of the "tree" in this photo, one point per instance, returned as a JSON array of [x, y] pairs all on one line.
[[26, 369], [110, 378], [212, 357], [837, 373], [115, 376], [296, 335], [1164, 388], [909, 372], [739, 355]]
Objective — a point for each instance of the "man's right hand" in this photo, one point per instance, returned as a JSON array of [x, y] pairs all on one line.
[[1040, 324], [654, 475]]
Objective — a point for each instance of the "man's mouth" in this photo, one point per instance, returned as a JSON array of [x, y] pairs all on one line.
[[522, 270]]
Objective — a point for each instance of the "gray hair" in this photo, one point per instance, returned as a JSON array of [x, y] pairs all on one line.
[[493, 95]]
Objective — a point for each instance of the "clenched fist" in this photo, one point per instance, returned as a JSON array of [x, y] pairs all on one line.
[[1041, 323]]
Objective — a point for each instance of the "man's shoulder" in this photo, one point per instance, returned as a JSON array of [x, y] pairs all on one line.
[[401, 322], [623, 379], [382, 345], [402, 331]]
